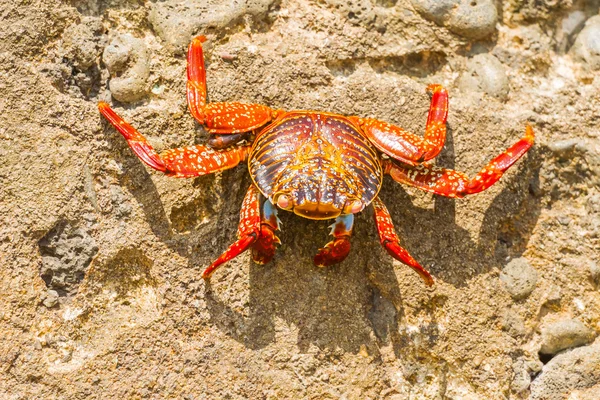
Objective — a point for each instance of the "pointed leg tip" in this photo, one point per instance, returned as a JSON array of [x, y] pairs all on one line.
[[199, 39], [428, 280], [529, 134], [435, 88], [208, 272]]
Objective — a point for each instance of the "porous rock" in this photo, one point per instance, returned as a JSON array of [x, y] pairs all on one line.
[[519, 278], [66, 254], [176, 21], [126, 58], [468, 18], [563, 335], [577, 369], [485, 73]]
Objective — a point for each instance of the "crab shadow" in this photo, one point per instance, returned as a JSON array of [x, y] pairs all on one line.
[[358, 302]]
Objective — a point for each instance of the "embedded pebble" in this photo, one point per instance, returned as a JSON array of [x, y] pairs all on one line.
[[485, 73], [519, 278], [562, 375], [434, 10], [564, 146], [176, 22], [586, 48], [127, 59], [51, 298], [473, 19], [565, 334]]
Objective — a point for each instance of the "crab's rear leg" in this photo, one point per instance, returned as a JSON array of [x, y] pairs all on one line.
[[255, 230], [338, 249], [248, 230], [219, 118], [405, 146], [450, 183], [182, 162], [390, 241]]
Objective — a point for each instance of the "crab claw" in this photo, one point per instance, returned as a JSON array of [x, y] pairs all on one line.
[[337, 250], [264, 248], [334, 252]]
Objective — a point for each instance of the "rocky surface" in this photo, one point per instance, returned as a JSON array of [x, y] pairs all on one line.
[[101, 257], [572, 374]]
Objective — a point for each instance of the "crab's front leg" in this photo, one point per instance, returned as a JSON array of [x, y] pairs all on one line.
[[182, 162], [405, 146], [390, 241], [219, 118], [338, 249]]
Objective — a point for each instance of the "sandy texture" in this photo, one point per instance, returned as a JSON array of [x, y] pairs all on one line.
[[100, 258]]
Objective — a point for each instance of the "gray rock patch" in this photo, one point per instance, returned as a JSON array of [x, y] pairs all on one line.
[[485, 73], [66, 254], [127, 60], [586, 48], [473, 19]]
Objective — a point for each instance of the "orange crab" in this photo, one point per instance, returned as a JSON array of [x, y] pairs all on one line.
[[317, 164]]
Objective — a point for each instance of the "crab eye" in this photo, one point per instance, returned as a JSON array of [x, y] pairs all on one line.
[[354, 207], [283, 202]]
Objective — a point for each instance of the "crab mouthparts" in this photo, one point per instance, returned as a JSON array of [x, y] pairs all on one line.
[[317, 210]]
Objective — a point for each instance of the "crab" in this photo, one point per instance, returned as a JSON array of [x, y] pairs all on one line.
[[319, 165]]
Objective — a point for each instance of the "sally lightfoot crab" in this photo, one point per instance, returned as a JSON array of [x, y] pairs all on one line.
[[319, 165]]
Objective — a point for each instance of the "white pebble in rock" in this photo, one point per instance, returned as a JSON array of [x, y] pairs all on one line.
[[575, 369], [586, 48], [127, 59], [51, 298], [519, 278], [565, 334], [485, 73], [473, 19], [176, 22]]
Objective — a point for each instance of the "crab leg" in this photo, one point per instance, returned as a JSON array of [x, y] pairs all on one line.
[[264, 248], [407, 147], [337, 250], [390, 241], [248, 230], [450, 183], [182, 162], [219, 118]]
